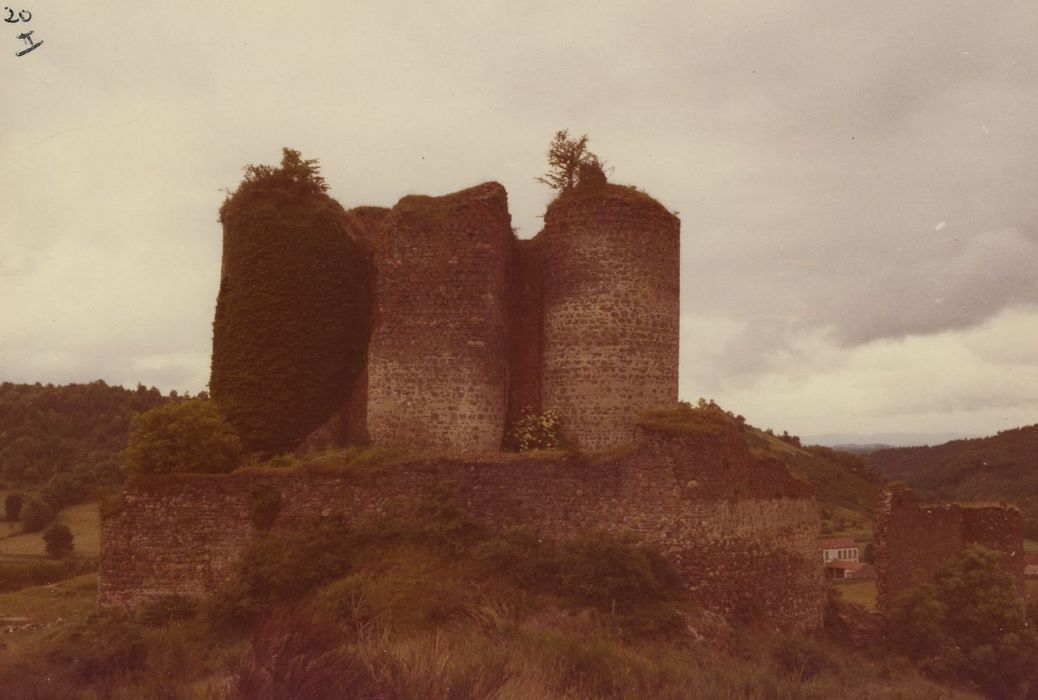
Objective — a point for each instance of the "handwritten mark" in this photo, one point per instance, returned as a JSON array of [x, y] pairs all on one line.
[[33, 45], [21, 16]]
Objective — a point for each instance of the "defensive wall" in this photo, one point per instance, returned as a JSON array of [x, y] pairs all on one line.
[[740, 528], [914, 539]]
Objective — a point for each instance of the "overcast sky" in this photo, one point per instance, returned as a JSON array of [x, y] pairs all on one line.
[[857, 182]]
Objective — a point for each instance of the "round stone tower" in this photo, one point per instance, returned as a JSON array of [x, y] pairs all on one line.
[[437, 362], [611, 310]]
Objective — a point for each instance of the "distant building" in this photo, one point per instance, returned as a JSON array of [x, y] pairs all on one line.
[[838, 549], [840, 556]]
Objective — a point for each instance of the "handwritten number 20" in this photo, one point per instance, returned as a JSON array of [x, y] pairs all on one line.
[[21, 16]]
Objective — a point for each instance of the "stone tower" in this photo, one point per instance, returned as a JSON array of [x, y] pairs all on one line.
[[610, 311]]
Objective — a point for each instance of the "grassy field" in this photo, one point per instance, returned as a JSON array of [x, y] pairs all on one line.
[[1031, 545], [34, 613], [859, 592], [83, 520]]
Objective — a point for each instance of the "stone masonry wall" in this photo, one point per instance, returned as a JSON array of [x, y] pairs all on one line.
[[914, 539], [611, 310], [437, 359], [750, 547]]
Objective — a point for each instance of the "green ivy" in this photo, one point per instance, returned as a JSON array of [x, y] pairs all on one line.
[[293, 311]]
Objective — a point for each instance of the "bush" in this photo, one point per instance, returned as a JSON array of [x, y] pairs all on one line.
[[535, 432], [596, 569], [100, 650], [802, 658], [969, 623], [13, 505], [606, 571], [64, 489], [35, 515], [59, 540], [300, 654], [280, 566], [184, 436]]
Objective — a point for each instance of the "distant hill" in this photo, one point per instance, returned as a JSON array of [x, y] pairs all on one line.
[[861, 449], [1002, 467], [47, 430], [866, 442]]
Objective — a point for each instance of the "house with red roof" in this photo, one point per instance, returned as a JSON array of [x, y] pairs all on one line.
[[840, 556]]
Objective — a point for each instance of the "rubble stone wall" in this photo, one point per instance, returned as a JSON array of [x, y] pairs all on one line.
[[437, 360], [740, 528], [914, 539]]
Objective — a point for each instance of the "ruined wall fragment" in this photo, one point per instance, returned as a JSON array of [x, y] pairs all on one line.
[[914, 539], [437, 360]]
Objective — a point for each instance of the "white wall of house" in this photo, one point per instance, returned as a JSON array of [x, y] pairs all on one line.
[[840, 554]]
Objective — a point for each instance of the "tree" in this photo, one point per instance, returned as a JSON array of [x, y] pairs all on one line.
[[970, 623], [13, 505], [64, 489], [59, 540], [570, 164], [295, 176], [187, 436], [35, 515]]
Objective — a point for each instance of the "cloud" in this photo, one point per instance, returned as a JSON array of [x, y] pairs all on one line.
[[971, 381], [850, 179]]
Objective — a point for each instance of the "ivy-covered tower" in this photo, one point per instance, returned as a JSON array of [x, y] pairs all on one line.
[[293, 312]]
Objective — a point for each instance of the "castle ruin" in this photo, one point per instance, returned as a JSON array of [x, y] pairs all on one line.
[[470, 328]]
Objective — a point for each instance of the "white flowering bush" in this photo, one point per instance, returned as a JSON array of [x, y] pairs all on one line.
[[535, 432]]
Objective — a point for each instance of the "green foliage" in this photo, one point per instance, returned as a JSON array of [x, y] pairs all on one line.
[[302, 654], [571, 164], [282, 565], [441, 521], [969, 623], [706, 417], [59, 540], [13, 505], [293, 312], [35, 515], [76, 429], [295, 176], [535, 432], [16, 574], [65, 489], [803, 658], [184, 436], [105, 647], [596, 569]]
